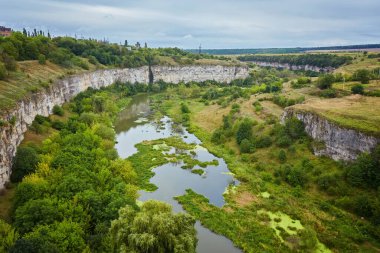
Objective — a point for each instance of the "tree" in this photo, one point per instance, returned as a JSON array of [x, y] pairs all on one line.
[[25, 162], [8, 236], [65, 236], [325, 81], [294, 128], [153, 229], [57, 110], [42, 59], [362, 75], [357, 89], [244, 131]]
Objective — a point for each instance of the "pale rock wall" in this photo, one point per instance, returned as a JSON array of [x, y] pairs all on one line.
[[63, 90], [339, 143], [292, 67]]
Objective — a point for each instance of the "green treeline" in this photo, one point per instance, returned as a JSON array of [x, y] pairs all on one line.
[[318, 60], [69, 52]]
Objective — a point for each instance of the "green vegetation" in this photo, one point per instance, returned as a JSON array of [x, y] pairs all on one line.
[[153, 229], [318, 60], [277, 159]]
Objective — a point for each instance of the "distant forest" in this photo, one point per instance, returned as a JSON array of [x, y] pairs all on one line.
[[318, 60], [279, 50]]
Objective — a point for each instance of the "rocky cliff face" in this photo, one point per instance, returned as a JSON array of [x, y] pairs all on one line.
[[339, 143], [292, 67], [63, 90]]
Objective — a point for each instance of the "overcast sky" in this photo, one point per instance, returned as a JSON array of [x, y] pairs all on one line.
[[214, 24]]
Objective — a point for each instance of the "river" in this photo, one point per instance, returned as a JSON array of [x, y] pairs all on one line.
[[134, 125]]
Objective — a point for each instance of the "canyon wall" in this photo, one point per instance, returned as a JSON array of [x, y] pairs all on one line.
[[23, 114], [338, 142], [292, 67]]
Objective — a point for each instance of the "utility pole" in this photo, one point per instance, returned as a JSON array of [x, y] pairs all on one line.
[[200, 49]]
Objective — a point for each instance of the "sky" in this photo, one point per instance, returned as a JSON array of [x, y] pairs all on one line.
[[213, 23]]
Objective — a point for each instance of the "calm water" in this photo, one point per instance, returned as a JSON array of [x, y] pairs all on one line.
[[133, 126]]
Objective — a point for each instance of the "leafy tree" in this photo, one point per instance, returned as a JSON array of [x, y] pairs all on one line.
[[65, 236], [365, 171], [57, 110], [294, 128], [24, 163], [8, 236], [357, 89], [362, 75], [153, 229], [42, 59], [244, 131], [325, 81]]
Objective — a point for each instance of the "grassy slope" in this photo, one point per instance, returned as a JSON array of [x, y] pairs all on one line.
[[354, 112], [31, 77], [305, 205]]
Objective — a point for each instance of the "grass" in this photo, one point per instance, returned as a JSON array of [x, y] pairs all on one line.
[[354, 112], [31, 77], [326, 226]]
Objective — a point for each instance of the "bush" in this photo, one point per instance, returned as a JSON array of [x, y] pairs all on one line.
[[244, 131], [325, 81], [294, 128], [3, 71], [328, 93], [362, 75], [282, 156], [24, 163], [10, 62], [217, 136], [57, 110], [185, 108], [245, 146], [357, 89], [263, 142], [284, 141], [42, 59], [59, 125]]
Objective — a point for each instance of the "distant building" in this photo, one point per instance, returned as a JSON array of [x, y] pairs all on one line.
[[5, 32]]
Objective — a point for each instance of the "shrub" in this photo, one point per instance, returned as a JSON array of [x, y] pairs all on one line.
[[362, 75], [57, 110], [244, 131], [284, 141], [282, 156], [245, 146], [217, 136], [185, 108], [24, 163], [3, 71], [357, 89], [328, 93], [263, 142], [294, 128], [59, 125], [325, 81], [42, 59]]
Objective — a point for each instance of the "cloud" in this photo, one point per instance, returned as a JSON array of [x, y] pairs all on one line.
[[215, 24]]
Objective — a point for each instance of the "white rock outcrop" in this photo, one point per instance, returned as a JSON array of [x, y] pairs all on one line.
[[41, 103], [339, 143]]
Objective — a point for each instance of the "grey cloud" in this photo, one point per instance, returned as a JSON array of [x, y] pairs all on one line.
[[215, 24]]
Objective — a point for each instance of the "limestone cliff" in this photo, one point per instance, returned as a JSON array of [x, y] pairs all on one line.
[[339, 143], [63, 90], [292, 67]]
